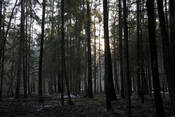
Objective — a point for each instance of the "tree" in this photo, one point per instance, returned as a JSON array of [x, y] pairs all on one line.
[[62, 53], [126, 68], [22, 36], [109, 85], [138, 48], [154, 63], [95, 66], [166, 51], [89, 92], [24, 53], [63, 62], [3, 35], [40, 91], [140, 70], [1, 45], [115, 59], [171, 80], [121, 49]]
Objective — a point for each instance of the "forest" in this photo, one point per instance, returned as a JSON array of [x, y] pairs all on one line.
[[87, 58]]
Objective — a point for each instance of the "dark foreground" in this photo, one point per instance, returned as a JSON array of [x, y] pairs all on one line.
[[82, 107]]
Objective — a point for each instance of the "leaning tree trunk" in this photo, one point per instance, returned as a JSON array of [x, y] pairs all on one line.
[[154, 62]]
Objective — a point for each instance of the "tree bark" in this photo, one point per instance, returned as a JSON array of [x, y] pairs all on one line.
[[1, 47], [3, 41], [126, 68], [121, 50], [138, 49], [22, 36], [62, 53], [40, 86], [95, 66], [154, 63], [25, 53], [89, 93], [172, 54], [109, 85]]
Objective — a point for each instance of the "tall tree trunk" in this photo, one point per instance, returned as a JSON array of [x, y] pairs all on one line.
[[140, 76], [166, 13], [62, 53], [29, 54], [166, 50], [99, 54], [4, 38], [63, 62], [142, 72], [115, 65], [89, 93], [121, 50], [171, 80], [127, 72], [1, 19], [154, 63], [95, 66], [109, 85], [25, 54], [138, 49], [1, 47], [22, 36], [40, 86]]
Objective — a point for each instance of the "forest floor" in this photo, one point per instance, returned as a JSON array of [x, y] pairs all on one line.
[[83, 107]]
